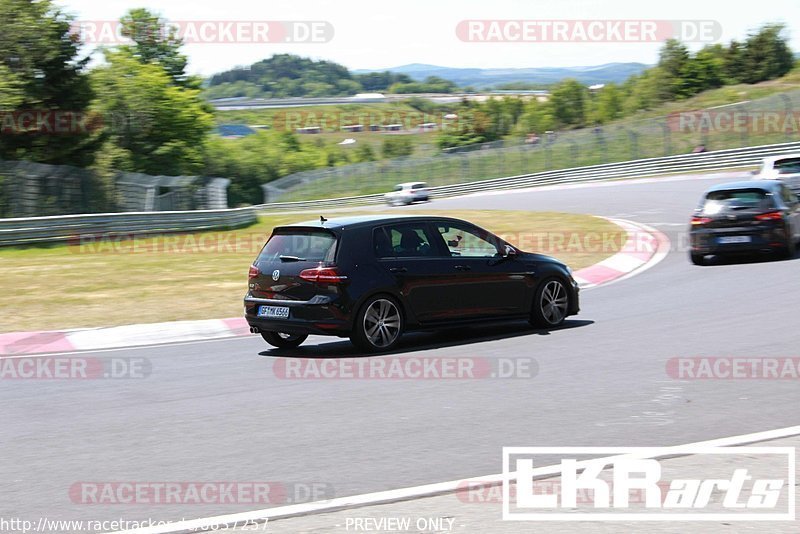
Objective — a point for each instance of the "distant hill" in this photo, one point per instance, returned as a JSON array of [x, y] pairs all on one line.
[[482, 78]]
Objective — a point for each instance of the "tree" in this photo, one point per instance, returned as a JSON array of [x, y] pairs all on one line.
[[537, 117], [705, 70], [41, 71], [364, 153], [159, 127], [673, 60], [155, 42], [568, 100], [397, 146], [608, 104], [734, 66], [766, 54]]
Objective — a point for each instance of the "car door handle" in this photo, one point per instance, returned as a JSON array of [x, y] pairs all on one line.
[[398, 270], [463, 268]]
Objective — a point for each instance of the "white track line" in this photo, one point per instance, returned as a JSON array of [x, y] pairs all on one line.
[[419, 492]]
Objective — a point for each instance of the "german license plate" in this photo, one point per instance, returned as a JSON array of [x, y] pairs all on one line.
[[726, 240], [273, 312]]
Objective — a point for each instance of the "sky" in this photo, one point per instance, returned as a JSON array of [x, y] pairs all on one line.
[[378, 35]]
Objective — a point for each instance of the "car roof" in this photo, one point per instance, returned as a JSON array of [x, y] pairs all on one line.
[[766, 185], [366, 220]]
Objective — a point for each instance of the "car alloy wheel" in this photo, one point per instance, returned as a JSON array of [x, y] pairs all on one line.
[[551, 305], [379, 325]]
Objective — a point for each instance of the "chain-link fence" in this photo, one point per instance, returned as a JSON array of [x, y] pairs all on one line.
[[773, 119], [33, 190]]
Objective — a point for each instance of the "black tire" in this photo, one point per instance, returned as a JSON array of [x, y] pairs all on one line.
[[283, 340], [550, 304], [697, 259], [790, 249], [378, 325]]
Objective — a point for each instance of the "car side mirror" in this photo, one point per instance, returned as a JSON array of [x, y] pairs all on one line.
[[509, 252]]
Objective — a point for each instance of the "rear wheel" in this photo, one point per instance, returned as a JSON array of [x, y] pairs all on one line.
[[551, 304], [282, 340], [697, 259], [378, 325], [790, 249]]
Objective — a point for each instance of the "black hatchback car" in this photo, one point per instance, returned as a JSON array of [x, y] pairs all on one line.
[[371, 278], [754, 216]]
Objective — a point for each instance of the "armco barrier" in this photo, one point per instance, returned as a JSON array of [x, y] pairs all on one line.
[[683, 163], [32, 230], [60, 228]]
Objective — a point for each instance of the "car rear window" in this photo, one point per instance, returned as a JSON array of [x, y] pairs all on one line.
[[421, 185], [787, 166], [717, 201], [309, 245]]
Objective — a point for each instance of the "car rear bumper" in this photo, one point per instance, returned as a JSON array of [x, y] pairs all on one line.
[[319, 316], [708, 241]]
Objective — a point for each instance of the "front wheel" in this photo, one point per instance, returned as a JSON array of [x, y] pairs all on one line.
[[697, 259], [790, 248], [283, 340], [378, 325], [551, 304]]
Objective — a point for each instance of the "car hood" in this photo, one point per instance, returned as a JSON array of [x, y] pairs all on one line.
[[534, 256]]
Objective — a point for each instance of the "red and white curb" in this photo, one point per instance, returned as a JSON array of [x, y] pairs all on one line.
[[644, 247], [135, 335]]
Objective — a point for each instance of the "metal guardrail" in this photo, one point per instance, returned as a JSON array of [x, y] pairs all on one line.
[[682, 163], [32, 230], [66, 228]]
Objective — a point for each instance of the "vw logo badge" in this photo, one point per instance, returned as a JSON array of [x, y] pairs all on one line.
[[276, 274]]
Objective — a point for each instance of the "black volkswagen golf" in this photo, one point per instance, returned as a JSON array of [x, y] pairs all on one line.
[[371, 278], [754, 216]]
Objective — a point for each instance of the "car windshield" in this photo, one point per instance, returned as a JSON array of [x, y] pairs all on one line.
[[308, 245], [717, 201], [787, 166]]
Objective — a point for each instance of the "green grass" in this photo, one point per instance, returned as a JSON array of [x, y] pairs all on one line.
[[201, 275]]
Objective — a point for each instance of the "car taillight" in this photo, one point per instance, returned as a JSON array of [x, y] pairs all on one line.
[[771, 216], [700, 220], [254, 272], [326, 275]]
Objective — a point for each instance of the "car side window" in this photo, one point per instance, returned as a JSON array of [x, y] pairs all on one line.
[[467, 242], [406, 240]]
